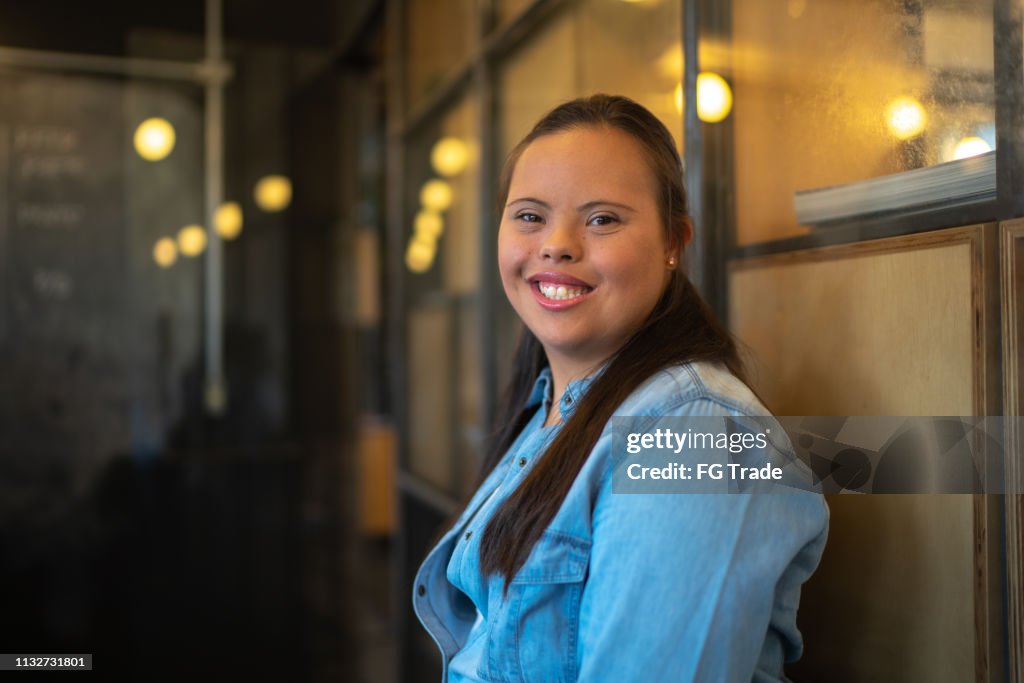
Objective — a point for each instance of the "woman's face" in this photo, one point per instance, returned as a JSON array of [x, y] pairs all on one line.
[[581, 248]]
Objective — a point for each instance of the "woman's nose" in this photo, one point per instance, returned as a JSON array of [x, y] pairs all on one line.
[[561, 243]]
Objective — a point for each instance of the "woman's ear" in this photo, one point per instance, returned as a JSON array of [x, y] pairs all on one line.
[[686, 233], [677, 241]]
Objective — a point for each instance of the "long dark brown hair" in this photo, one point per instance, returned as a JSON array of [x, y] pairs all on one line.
[[680, 329]]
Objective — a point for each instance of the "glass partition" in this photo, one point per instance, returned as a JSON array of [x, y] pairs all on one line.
[[847, 108], [443, 265], [440, 36]]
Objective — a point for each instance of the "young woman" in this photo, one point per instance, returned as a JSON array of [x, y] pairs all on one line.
[[547, 574]]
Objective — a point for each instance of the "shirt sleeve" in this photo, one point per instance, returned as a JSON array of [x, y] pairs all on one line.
[[696, 586]]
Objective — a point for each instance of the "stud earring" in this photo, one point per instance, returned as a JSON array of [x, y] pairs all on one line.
[[671, 261]]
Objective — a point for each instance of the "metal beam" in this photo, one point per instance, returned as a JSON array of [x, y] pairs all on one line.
[[213, 290], [158, 69]]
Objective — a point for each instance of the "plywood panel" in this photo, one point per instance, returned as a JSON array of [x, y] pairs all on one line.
[[882, 328], [1013, 402]]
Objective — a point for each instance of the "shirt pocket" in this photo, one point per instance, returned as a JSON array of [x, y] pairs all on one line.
[[533, 635]]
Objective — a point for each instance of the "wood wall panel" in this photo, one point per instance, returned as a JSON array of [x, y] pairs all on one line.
[[1013, 402], [889, 327]]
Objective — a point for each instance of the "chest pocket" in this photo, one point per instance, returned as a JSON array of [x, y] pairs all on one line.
[[533, 635]]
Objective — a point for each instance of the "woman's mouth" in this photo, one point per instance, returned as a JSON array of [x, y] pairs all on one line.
[[557, 293], [560, 292]]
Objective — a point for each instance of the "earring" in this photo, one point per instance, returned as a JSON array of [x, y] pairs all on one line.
[[671, 261]]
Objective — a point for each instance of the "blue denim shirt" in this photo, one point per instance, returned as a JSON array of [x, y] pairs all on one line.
[[628, 587]]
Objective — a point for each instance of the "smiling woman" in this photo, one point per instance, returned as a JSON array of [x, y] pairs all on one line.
[[546, 575], [582, 252]]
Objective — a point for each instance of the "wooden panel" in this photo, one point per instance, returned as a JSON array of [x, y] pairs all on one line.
[[1013, 403], [889, 327]]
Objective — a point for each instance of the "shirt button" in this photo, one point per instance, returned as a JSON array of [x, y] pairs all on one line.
[[567, 400], [468, 534], [522, 462], [422, 590]]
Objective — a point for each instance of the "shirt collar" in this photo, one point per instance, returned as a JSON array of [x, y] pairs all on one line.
[[544, 385]]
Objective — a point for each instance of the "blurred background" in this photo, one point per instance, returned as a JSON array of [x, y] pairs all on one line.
[[252, 335]]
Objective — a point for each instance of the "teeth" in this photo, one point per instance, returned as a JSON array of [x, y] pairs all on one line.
[[560, 292]]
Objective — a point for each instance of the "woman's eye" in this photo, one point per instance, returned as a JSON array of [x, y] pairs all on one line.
[[528, 217], [604, 220]]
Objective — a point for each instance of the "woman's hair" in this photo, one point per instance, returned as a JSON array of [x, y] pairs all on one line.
[[680, 329]]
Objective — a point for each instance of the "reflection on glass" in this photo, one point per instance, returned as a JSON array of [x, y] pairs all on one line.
[[970, 146], [834, 93], [905, 117]]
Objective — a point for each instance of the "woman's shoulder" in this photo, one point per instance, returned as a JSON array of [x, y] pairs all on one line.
[[698, 386]]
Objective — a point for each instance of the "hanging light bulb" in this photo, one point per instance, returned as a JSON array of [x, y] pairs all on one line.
[[192, 240], [228, 220], [714, 97], [449, 156], [436, 195], [165, 252], [419, 255], [154, 139], [428, 224], [273, 193]]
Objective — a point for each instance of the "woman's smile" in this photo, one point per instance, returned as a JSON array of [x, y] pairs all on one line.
[[558, 291]]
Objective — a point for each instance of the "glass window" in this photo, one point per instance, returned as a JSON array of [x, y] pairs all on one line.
[[440, 36], [443, 264], [611, 46], [507, 10], [832, 96]]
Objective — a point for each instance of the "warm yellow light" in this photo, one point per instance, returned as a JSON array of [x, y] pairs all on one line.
[[228, 220], [192, 240], [450, 156], [273, 193], [165, 252], [428, 225], [436, 195], [677, 98], [970, 147], [419, 255], [154, 139], [906, 117], [714, 97], [796, 8]]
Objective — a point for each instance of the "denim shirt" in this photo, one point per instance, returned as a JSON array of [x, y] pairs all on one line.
[[628, 587]]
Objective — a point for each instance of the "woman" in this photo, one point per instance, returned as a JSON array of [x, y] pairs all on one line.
[[547, 574]]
